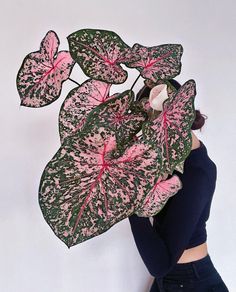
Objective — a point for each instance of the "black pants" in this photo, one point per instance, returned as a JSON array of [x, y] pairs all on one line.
[[196, 276]]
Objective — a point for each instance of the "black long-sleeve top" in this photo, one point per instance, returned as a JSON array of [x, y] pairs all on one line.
[[181, 224]]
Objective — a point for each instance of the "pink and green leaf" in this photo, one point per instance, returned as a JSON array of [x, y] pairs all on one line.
[[171, 130], [79, 103], [40, 77], [158, 196], [100, 53], [84, 191], [158, 62]]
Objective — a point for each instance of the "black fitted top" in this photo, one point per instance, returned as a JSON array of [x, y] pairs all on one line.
[[181, 224]]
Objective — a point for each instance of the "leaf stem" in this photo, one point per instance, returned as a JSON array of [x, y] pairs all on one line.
[[74, 81], [135, 82]]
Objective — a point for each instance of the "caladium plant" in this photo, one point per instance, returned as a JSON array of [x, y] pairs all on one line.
[[40, 77], [103, 172]]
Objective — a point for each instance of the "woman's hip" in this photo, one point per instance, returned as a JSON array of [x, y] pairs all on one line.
[[199, 276]]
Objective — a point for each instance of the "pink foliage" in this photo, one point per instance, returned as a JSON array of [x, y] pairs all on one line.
[[159, 62], [84, 191], [171, 130], [158, 196], [103, 172], [116, 114], [79, 103], [40, 78], [100, 53]]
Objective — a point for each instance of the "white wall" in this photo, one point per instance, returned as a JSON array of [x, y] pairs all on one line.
[[32, 258]]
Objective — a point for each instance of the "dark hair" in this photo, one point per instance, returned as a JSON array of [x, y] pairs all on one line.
[[199, 118]]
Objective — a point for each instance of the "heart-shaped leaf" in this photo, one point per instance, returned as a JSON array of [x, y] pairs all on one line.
[[171, 130], [79, 103], [100, 53], [84, 191], [159, 62], [158, 196], [40, 77], [119, 115]]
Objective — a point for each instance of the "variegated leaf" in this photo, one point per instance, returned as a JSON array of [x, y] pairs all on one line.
[[159, 62], [40, 77], [83, 191], [171, 130], [159, 195], [100, 53], [119, 115], [79, 103]]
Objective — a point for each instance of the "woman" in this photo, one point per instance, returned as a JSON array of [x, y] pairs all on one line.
[[174, 248]]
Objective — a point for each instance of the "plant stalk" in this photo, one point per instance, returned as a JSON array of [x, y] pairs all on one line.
[[135, 82], [74, 81]]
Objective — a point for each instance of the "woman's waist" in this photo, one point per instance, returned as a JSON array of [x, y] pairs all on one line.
[[189, 272], [193, 254]]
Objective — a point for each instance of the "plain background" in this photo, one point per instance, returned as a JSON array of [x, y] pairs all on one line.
[[32, 258]]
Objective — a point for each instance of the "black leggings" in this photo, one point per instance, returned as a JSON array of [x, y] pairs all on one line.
[[196, 276]]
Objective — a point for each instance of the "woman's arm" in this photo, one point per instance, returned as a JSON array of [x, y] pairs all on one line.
[[161, 252]]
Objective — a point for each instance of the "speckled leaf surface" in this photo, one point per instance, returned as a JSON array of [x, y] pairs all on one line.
[[171, 130], [40, 77], [84, 191], [100, 53], [158, 62], [118, 114], [159, 195], [79, 103]]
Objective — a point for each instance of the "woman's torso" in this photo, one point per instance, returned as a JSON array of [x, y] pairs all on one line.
[[199, 251]]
